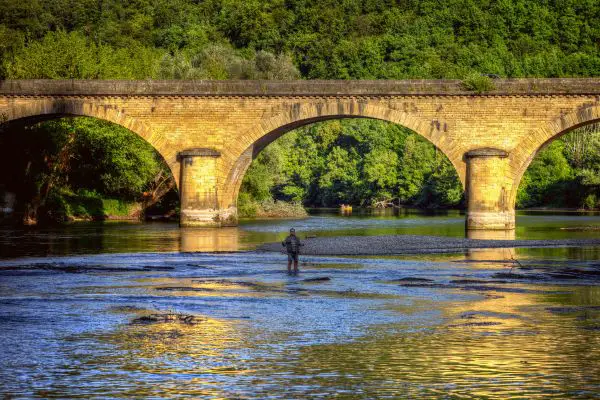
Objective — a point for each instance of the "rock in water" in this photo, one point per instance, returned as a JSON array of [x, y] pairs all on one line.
[[168, 318], [317, 279]]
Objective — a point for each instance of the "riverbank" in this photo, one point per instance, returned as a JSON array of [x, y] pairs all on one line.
[[559, 210], [270, 209], [415, 244]]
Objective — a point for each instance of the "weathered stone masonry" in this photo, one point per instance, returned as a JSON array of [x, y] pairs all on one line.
[[209, 131]]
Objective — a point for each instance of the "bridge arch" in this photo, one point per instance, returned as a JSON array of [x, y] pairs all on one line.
[[291, 116], [38, 110], [47, 109], [540, 138]]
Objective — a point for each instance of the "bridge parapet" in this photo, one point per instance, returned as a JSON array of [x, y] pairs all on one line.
[[369, 88]]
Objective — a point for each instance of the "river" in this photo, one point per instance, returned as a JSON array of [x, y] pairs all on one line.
[[437, 326]]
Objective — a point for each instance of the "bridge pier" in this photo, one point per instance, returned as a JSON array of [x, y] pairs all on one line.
[[198, 190], [488, 190]]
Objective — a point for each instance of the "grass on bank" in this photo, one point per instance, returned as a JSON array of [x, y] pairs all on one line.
[[66, 206], [249, 208]]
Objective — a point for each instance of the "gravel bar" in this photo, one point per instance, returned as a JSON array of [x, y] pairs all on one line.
[[414, 244]]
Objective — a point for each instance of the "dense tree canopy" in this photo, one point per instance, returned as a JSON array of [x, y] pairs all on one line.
[[326, 39], [361, 162], [566, 173]]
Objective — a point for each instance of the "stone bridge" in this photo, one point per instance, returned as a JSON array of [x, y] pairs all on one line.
[[208, 132]]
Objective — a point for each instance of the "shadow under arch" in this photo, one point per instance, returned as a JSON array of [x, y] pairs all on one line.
[[542, 137], [158, 185], [290, 117], [50, 109]]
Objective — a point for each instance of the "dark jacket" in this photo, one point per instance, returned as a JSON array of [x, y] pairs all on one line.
[[292, 244]]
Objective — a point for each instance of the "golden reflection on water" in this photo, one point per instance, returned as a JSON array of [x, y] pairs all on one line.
[[502, 254], [485, 234], [501, 347], [171, 341], [209, 239], [158, 357], [495, 344], [202, 287]]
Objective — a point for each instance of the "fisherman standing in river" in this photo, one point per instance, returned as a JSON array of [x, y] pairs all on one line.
[[292, 245]]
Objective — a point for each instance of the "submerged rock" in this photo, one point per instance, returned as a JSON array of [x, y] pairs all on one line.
[[126, 309], [472, 324], [426, 285], [158, 268], [512, 275], [591, 328], [168, 318], [473, 281], [184, 289], [410, 279], [226, 282], [317, 279], [82, 268], [572, 309]]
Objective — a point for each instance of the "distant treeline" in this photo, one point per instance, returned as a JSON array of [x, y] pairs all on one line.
[[364, 162]]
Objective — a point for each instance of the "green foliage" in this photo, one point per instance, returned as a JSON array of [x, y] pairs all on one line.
[[70, 167], [247, 207], [120, 208], [71, 55], [380, 167], [223, 62], [264, 174], [478, 83], [110, 159], [326, 39], [63, 205], [417, 163], [442, 188], [566, 173], [354, 161], [339, 181], [591, 202], [269, 208], [280, 209], [547, 174]]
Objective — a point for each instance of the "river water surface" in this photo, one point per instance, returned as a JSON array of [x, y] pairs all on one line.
[[502, 323]]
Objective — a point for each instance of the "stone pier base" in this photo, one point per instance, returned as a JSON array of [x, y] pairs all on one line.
[[488, 188], [208, 218], [200, 205], [491, 234], [490, 220]]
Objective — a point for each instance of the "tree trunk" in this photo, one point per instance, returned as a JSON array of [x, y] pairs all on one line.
[[56, 167], [162, 184]]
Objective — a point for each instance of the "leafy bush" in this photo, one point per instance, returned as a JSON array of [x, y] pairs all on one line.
[[591, 202], [280, 209], [478, 83], [247, 207]]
